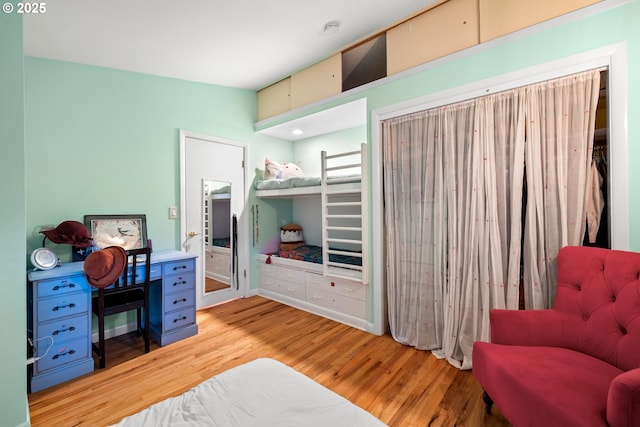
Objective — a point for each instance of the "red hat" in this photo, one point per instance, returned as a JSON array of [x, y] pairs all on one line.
[[103, 267], [71, 233]]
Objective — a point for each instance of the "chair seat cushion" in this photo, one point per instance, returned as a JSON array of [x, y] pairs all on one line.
[[554, 386]]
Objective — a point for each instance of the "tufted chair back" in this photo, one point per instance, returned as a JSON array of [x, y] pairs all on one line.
[[599, 293]]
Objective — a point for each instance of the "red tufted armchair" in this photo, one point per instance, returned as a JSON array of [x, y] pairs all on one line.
[[577, 364]]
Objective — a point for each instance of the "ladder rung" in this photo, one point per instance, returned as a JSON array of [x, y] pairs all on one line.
[[346, 253], [339, 192], [351, 241], [343, 265], [343, 216], [340, 180], [329, 204], [329, 227], [336, 156]]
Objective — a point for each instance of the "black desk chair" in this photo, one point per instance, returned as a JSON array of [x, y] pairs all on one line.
[[122, 279]]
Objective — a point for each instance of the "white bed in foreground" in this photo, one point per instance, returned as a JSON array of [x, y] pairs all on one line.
[[263, 392]]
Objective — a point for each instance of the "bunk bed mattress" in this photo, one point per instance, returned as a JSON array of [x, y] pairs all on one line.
[[309, 253], [263, 392], [296, 182]]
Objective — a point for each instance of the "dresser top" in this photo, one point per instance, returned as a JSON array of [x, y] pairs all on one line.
[[72, 268]]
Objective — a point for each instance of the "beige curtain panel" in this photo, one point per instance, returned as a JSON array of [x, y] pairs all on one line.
[[478, 195]]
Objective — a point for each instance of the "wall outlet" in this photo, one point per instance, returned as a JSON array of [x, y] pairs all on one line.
[[173, 212]]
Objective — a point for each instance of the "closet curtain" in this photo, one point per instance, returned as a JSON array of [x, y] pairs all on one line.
[[453, 181]]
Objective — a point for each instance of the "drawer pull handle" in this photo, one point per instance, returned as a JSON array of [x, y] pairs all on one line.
[[63, 353], [291, 289], [58, 307], [317, 297], [64, 285], [179, 267], [59, 331], [348, 289], [180, 300], [180, 319], [182, 282]]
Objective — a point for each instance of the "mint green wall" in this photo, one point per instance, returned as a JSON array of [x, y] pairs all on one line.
[[13, 386], [102, 141]]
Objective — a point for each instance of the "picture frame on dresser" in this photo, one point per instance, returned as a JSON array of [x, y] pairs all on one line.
[[127, 230]]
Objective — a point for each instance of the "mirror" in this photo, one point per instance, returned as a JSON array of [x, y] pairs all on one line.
[[217, 235]]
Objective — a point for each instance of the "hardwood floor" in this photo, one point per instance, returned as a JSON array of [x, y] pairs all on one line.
[[211, 285], [398, 384]]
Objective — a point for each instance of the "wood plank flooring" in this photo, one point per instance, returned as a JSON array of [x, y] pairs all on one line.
[[398, 384]]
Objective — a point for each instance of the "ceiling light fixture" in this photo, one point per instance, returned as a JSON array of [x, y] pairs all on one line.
[[297, 132], [330, 28]]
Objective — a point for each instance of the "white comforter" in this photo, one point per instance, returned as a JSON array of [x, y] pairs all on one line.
[[263, 393]]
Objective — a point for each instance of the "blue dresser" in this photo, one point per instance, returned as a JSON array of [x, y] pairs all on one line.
[[59, 319]]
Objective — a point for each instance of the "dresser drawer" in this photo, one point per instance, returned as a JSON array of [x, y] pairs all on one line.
[[336, 302], [178, 267], [64, 329], [177, 319], [62, 286], [64, 305], [178, 283], [61, 353], [340, 286], [179, 300]]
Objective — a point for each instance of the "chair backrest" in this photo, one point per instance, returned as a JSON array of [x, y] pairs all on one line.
[[600, 290], [136, 272]]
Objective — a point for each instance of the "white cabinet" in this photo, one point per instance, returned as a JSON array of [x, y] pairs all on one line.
[[302, 285]]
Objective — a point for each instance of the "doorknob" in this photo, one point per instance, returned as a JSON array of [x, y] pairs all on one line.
[[193, 234]]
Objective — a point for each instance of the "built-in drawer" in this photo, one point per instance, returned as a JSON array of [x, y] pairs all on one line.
[[63, 329], [179, 300], [179, 318], [340, 286], [284, 273], [62, 286], [64, 305], [178, 267], [336, 302], [284, 287], [178, 282], [61, 353]]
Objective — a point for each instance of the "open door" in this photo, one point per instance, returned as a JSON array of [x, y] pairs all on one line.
[[213, 224]]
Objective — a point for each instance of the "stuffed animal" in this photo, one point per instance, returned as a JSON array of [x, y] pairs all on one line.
[[274, 170]]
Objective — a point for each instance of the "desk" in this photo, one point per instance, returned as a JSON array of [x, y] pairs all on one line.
[[59, 312]]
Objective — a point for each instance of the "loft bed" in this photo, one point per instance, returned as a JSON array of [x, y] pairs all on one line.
[[344, 210], [302, 186]]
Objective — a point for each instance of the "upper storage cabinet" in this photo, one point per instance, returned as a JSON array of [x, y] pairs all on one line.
[[274, 99], [500, 17], [364, 63], [319, 81], [447, 28]]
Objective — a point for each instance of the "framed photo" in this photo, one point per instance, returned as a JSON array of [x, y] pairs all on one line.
[[127, 231]]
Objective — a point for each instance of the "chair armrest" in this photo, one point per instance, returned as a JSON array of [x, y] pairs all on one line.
[[534, 327], [623, 401]]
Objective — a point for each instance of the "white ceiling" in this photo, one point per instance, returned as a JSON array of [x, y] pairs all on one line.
[[237, 43]]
